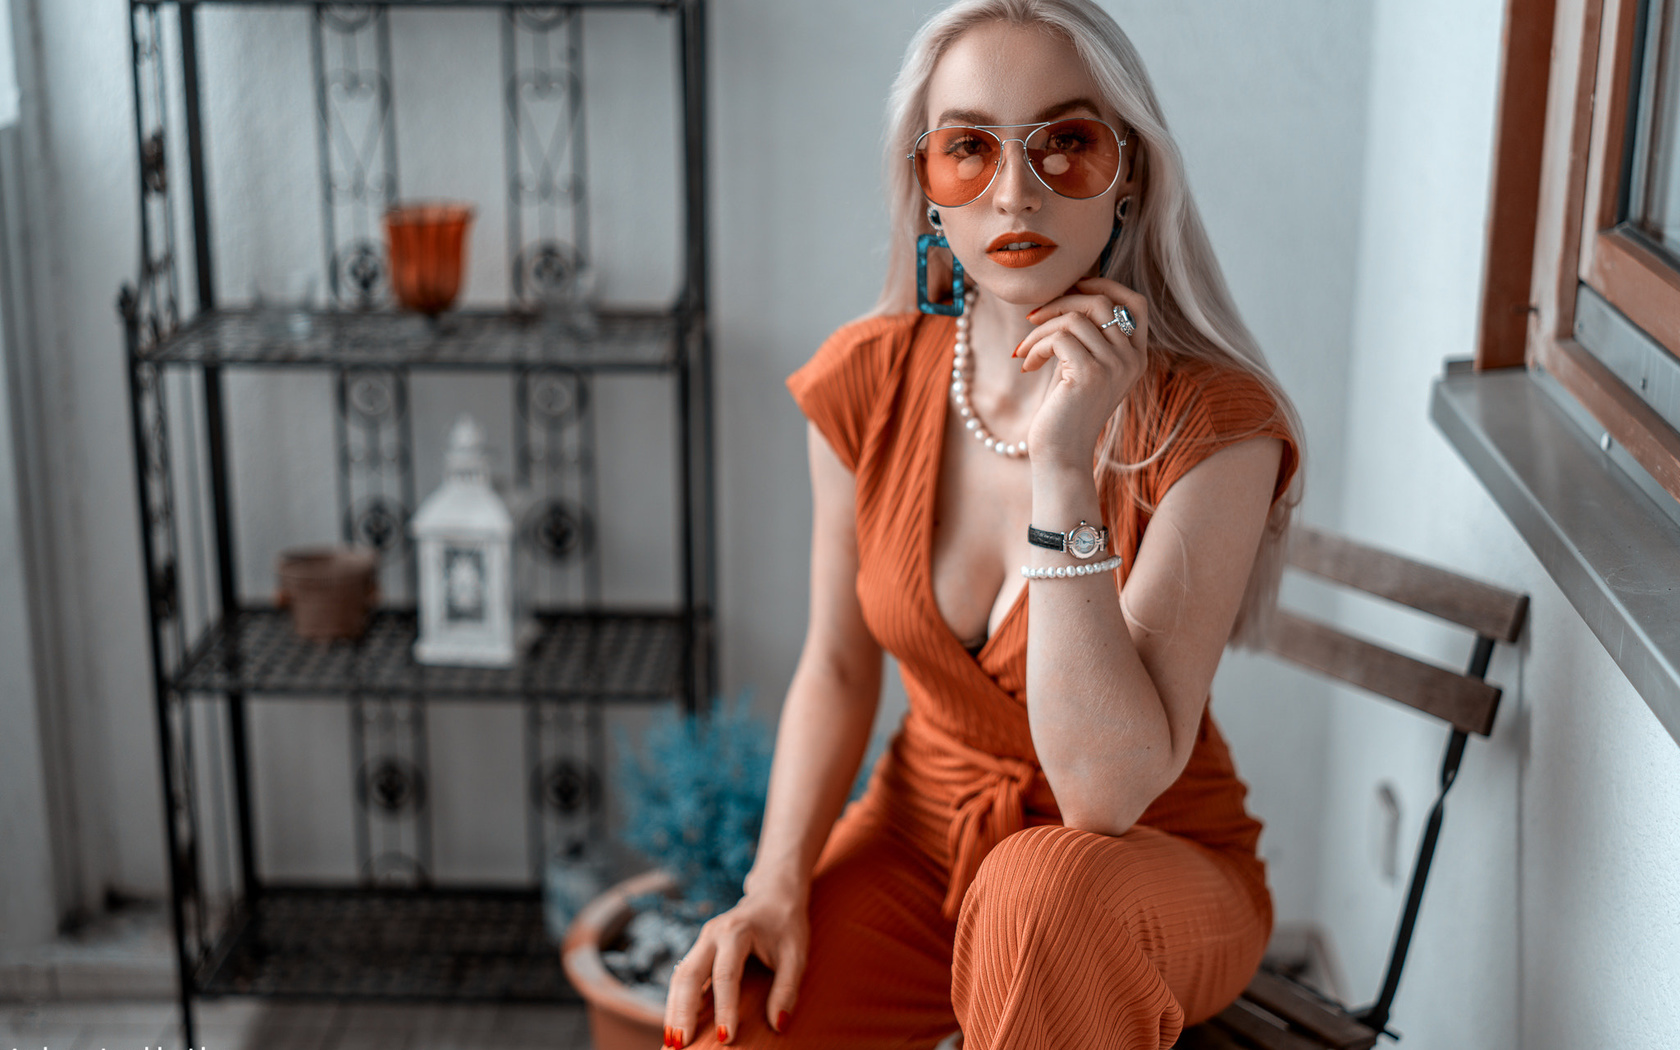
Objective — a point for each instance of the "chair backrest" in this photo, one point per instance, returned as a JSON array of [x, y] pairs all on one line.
[[1462, 700]]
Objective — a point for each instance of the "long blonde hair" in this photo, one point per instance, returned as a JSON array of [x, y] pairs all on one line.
[[1165, 253]]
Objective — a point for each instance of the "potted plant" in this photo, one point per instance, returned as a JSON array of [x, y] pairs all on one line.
[[694, 801]]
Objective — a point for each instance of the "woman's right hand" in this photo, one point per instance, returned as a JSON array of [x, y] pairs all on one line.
[[824, 732], [772, 923]]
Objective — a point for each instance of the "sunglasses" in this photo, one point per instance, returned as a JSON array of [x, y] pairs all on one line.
[[1078, 158]]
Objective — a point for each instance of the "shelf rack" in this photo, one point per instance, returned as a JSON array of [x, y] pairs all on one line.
[[393, 932], [621, 341], [314, 943], [612, 656]]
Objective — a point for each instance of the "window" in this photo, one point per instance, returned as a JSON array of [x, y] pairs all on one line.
[[1587, 203], [1583, 287]]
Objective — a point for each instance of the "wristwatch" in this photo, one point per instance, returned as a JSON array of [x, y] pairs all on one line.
[[1081, 541]]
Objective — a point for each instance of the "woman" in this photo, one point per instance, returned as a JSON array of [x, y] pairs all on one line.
[[1054, 851]]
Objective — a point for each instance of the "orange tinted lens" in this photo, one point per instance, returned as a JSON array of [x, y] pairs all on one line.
[[955, 165], [1077, 158]]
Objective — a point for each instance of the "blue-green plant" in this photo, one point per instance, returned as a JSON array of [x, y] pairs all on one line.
[[694, 799]]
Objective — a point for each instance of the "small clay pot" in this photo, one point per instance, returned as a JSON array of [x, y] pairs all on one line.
[[330, 590], [619, 1018]]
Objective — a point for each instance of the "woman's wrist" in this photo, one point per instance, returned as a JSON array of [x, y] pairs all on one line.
[[1058, 491], [783, 880], [1054, 474]]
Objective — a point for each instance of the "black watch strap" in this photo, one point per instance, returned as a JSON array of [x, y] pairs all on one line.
[[1038, 537], [1082, 541]]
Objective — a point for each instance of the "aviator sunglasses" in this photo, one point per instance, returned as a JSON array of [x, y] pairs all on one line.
[[1077, 157]]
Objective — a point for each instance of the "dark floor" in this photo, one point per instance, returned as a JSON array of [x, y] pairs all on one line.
[[247, 1024]]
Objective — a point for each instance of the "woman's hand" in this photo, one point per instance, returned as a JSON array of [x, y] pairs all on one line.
[[1095, 368], [771, 923]]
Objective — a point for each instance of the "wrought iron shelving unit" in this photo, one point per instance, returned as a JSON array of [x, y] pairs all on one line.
[[393, 932]]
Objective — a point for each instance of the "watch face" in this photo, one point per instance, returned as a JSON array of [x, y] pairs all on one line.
[[1084, 541]]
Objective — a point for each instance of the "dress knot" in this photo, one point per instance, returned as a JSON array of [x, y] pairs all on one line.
[[988, 810]]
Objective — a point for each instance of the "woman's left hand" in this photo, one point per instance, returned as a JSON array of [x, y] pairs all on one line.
[[1095, 368]]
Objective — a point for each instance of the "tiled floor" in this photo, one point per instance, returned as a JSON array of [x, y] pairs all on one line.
[[244, 1024]]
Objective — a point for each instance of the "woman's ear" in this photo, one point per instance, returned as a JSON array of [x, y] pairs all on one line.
[[1130, 154]]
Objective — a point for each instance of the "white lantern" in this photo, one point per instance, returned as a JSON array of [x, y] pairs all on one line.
[[470, 612]]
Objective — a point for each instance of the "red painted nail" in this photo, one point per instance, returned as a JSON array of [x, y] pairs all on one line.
[[667, 1041], [670, 1036], [723, 1034], [782, 1020]]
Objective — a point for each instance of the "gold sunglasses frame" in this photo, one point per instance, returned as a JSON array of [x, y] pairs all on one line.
[[1004, 142]]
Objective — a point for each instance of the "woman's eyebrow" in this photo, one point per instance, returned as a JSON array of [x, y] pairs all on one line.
[[978, 119]]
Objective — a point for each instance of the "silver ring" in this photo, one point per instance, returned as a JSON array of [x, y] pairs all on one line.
[[1123, 318]]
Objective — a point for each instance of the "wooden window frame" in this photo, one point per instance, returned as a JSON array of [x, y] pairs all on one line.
[[1558, 157]]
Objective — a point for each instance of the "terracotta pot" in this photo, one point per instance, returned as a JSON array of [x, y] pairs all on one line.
[[426, 244], [619, 1018], [330, 590]]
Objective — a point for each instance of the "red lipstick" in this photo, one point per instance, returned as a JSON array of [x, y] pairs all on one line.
[[1028, 249]]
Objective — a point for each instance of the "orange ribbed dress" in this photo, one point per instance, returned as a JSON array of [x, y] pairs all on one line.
[[951, 894]]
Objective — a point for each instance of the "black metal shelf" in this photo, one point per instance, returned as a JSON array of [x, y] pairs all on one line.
[[625, 340], [234, 932], [617, 656], [484, 945]]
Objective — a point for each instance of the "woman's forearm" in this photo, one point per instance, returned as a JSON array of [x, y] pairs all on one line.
[[1098, 724], [824, 731]]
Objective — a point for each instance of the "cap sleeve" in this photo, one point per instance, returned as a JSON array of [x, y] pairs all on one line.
[[839, 388], [1218, 408]]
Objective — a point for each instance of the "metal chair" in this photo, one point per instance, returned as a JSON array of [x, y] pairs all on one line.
[[1276, 1012]]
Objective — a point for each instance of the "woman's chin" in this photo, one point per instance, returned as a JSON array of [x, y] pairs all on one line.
[[1024, 288]]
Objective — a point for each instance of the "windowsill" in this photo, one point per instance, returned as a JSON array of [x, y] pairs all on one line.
[[1611, 549]]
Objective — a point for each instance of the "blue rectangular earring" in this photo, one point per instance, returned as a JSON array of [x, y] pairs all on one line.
[[937, 240]]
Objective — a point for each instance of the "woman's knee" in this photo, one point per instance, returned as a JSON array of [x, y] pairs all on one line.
[[1044, 856], [1038, 869]]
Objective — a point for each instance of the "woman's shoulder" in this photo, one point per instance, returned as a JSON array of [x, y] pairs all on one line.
[[1216, 395], [1203, 406], [840, 386], [872, 335], [854, 361], [1202, 374]]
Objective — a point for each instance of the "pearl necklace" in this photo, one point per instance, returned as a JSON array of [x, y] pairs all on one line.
[[960, 373]]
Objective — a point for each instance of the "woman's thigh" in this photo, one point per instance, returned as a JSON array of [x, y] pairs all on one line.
[[1069, 938], [879, 972]]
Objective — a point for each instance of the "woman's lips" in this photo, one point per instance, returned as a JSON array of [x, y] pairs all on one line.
[[1000, 250]]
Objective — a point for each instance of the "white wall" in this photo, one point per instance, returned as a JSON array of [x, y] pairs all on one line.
[[27, 908], [79, 184], [1550, 920]]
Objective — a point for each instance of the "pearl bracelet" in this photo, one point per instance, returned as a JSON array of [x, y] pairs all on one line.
[[1063, 571]]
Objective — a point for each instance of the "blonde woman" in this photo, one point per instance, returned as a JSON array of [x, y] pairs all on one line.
[[1054, 493]]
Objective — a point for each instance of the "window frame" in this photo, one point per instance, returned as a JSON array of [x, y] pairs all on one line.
[[1559, 168], [1586, 472]]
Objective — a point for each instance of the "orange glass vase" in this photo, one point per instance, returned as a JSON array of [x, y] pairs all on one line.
[[426, 244]]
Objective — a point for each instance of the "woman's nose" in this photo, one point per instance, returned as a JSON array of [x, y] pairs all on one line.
[[1017, 188]]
